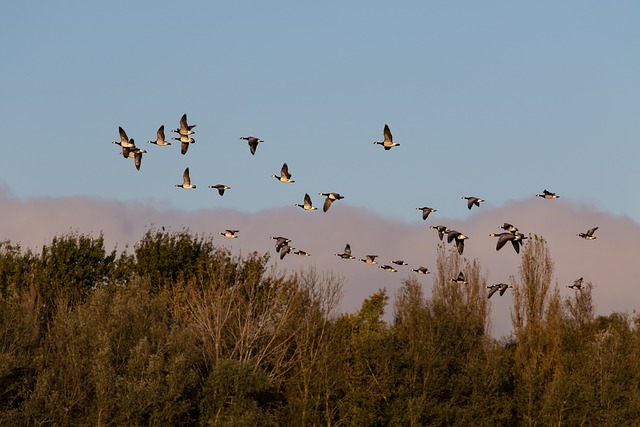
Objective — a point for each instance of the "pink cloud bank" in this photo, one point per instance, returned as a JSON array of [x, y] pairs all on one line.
[[605, 261]]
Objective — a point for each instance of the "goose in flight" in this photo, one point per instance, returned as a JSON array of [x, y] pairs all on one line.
[[307, 205], [301, 253], [508, 227], [186, 180], [347, 253], [421, 270], [231, 234], [473, 201], [134, 153], [124, 139], [548, 195], [285, 176], [460, 280], [398, 262], [505, 237], [330, 198], [221, 188], [253, 143], [577, 285], [284, 250], [388, 268], [160, 139], [458, 237], [185, 128], [441, 229], [426, 211], [281, 242], [369, 259], [388, 143], [502, 287], [588, 235], [184, 143]]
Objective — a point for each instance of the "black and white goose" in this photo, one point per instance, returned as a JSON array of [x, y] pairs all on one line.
[[347, 253], [426, 211], [369, 259], [124, 139], [421, 270], [221, 188], [505, 237], [387, 143], [231, 234], [307, 205], [160, 139], [459, 239], [577, 285], [186, 180], [441, 229], [588, 235], [280, 242], [285, 176], [253, 143], [473, 201], [548, 195], [388, 268], [185, 128], [184, 143], [134, 153], [460, 280], [301, 253], [502, 287], [398, 262], [330, 198], [508, 227]]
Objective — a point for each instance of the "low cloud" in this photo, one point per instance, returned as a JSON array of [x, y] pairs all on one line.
[[606, 261]]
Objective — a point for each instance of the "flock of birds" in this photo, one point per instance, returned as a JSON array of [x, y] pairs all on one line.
[[282, 245]]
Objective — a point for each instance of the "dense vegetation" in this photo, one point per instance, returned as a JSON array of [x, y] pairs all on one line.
[[180, 332]]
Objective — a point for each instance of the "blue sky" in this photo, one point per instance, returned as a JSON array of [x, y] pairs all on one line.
[[493, 99], [498, 100]]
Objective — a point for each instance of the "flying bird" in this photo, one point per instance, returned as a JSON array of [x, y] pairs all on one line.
[[441, 229], [185, 128], [460, 280], [186, 180], [421, 270], [330, 198], [160, 139], [388, 268], [124, 139], [284, 250], [253, 143], [307, 205], [347, 253], [399, 262], [473, 201], [388, 143], [508, 227], [221, 188], [285, 176], [369, 259], [458, 237], [426, 211], [281, 242], [588, 235], [134, 153], [505, 237], [231, 234], [184, 143], [301, 253], [577, 285], [548, 195], [502, 287]]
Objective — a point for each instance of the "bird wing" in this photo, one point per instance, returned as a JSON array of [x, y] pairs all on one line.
[[591, 231], [425, 213], [460, 245], [307, 200], [185, 177], [503, 288], [503, 238], [493, 290], [285, 171], [347, 249], [470, 202], [160, 133], [327, 204], [452, 234], [387, 134], [137, 158], [123, 135], [252, 147], [183, 122], [184, 146]]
